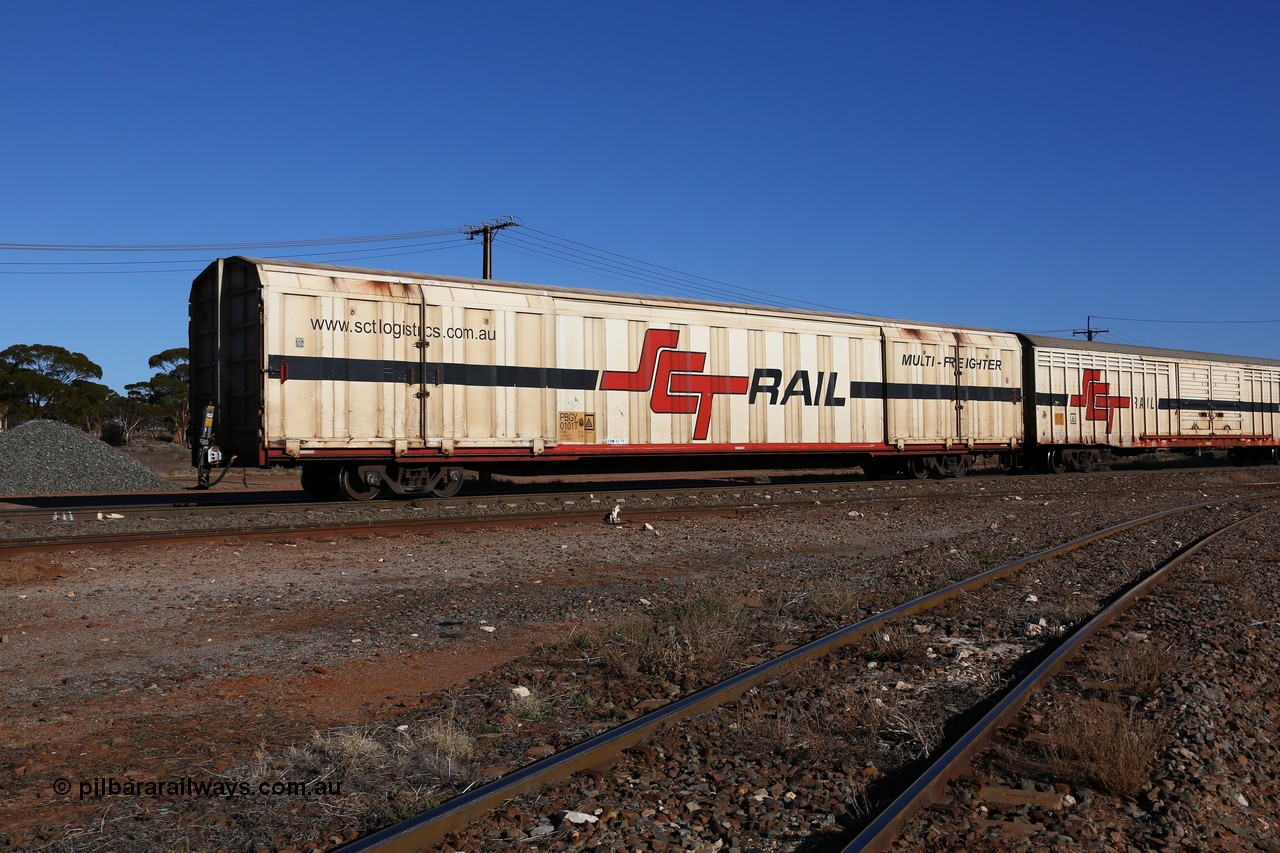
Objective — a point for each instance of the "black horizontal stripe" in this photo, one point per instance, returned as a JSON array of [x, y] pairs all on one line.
[[1218, 405], [1173, 404], [316, 368], [921, 391]]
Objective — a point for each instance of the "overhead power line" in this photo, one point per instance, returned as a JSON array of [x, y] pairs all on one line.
[[527, 241], [486, 230], [214, 247], [166, 267], [619, 267], [1196, 322], [1089, 331], [456, 241]]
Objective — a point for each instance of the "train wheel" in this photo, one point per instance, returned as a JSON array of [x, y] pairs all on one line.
[[450, 483], [320, 480], [953, 466], [1088, 461], [354, 487], [918, 467], [1007, 463], [1054, 462]]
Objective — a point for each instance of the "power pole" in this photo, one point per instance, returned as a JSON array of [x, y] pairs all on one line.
[[486, 229], [1089, 331]]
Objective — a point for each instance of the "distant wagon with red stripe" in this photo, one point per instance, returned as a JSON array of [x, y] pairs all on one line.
[[1092, 396], [383, 382]]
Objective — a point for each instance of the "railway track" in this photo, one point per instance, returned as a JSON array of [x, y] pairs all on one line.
[[491, 805], [374, 622], [63, 523]]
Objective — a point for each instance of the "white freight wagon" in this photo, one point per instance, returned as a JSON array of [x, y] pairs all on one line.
[[1091, 396], [377, 380]]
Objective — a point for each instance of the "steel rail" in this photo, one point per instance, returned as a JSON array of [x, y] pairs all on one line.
[[428, 829], [281, 502], [880, 834], [635, 515], [59, 509], [54, 509]]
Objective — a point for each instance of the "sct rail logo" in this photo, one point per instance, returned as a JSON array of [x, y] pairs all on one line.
[[675, 379], [1099, 406]]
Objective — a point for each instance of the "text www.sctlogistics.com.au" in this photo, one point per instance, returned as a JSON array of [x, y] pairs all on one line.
[[187, 786]]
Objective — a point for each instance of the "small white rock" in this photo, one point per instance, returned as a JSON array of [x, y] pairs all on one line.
[[489, 628], [579, 817], [402, 728], [520, 692], [1031, 599]]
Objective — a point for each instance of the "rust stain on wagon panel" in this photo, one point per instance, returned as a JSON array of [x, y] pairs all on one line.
[[370, 287], [375, 288]]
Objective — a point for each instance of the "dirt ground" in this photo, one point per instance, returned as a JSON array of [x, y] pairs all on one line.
[[164, 662]]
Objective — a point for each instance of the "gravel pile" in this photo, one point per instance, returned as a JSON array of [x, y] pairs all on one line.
[[51, 458]]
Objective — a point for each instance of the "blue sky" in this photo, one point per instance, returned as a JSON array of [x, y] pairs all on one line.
[[1011, 165]]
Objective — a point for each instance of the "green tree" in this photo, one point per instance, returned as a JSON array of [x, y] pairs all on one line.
[[168, 390], [130, 413], [87, 405], [35, 379]]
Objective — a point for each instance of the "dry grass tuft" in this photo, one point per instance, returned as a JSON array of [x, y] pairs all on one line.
[[530, 707], [373, 757], [1069, 611], [1144, 671], [898, 643], [698, 636], [1105, 745], [833, 600]]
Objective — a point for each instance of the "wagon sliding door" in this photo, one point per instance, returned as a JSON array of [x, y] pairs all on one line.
[[920, 389], [344, 372], [946, 387]]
